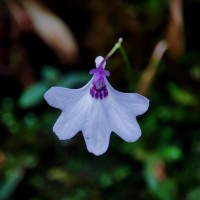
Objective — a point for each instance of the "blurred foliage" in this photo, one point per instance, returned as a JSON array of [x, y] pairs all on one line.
[[164, 164], [34, 94]]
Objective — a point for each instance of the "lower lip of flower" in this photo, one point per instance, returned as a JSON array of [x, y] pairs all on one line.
[[98, 92]]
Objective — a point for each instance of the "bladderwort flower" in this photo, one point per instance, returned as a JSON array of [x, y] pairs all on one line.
[[97, 109]]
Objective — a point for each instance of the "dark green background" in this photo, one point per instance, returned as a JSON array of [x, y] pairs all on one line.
[[163, 164]]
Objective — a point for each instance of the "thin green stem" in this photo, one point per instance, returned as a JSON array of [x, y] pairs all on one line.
[[128, 68], [117, 46]]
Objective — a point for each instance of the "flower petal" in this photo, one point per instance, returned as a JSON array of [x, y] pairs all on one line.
[[125, 108], [65, 126], [124, 125], [59, 97], [97, 130], [71, 120], [98, 60], [132, 102], [72, 104], [64, 98]]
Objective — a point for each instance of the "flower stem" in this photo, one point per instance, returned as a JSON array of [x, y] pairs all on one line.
[[117, 46], [128, 67], [125, 57]]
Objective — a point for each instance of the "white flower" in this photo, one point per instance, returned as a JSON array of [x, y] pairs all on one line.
[[97, 109]]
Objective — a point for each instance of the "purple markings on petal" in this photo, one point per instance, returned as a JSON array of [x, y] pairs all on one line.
[[98, 93], [98, 89]]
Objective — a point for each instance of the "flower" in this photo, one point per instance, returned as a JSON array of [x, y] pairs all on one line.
[[97, 109]]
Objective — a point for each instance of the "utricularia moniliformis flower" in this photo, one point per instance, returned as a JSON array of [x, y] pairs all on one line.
[[97, 109]]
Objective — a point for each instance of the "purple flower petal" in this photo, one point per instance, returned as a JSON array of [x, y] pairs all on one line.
[[97, 109]]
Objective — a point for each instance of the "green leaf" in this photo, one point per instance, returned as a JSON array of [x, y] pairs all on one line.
[[149, 174], [75, 79], [50, 73], [171, 153], [156, 6], [195, 72], [162, 188], [122, 172], [105, 180], [182, 96], [166, 190], [8, 187], [194, 194], [33, 95]]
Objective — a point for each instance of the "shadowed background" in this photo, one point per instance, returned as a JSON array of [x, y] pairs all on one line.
[[46, 43]]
